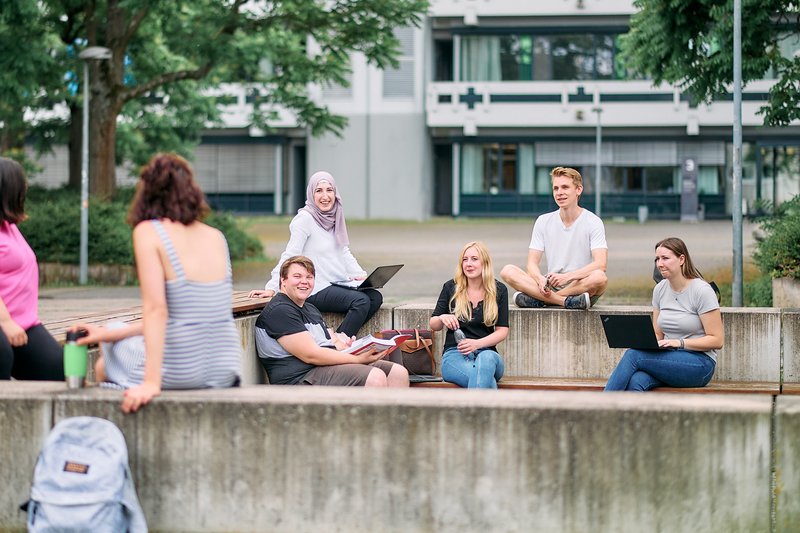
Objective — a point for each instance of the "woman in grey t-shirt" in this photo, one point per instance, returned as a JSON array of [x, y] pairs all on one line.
[[688, 325]]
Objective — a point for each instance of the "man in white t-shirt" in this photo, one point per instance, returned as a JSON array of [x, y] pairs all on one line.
[[574, 241]]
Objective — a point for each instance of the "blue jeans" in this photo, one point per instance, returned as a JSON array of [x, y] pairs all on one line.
[[641, 370], [481, 371]]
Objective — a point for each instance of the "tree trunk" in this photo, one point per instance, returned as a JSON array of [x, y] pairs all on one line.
[[74, 145], [12, 134], [103, 111]]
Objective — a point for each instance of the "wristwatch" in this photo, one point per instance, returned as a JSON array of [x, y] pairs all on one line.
[[682, 345]]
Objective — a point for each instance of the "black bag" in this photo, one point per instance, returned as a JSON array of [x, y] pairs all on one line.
[[416, 354]]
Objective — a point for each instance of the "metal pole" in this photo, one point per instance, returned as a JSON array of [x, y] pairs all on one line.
[[84, 245], [737, 289], [598, 168]]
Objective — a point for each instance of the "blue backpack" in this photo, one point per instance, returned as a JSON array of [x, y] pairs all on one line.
[[82, 481]]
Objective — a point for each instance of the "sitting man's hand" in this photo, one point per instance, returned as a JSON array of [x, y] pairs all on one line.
[[261, 293]]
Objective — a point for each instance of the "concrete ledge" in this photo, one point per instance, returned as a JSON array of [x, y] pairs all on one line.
[[556, 342], [787, 463], [26, 417], [790, 337], [339, 459]]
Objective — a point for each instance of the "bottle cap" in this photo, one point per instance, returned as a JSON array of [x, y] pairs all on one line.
[[72, 336]]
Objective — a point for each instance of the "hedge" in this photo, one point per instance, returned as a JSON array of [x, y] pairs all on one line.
[[53, 229]]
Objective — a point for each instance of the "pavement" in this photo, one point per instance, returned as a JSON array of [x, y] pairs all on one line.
[[430, 251]]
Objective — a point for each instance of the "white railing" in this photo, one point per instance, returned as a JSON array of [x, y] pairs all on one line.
[[474, 105], [497, 8]]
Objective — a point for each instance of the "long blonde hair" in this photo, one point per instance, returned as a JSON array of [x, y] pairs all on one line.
[[459, 303]]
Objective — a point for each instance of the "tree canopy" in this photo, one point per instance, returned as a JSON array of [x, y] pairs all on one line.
[[151, 94], [690, 42]]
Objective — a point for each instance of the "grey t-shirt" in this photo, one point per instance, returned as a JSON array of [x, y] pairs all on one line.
[[679, 312]]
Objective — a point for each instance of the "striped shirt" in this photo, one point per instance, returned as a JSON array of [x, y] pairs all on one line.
[[201, 346]]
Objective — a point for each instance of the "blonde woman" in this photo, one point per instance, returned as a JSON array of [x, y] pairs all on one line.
[[473, 306]]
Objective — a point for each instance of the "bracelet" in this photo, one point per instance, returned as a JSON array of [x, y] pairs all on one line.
[[682, 345]]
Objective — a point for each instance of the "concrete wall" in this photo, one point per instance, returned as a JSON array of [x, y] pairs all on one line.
[[787, 463], [563, 343], [338, 459], [790, 337], [26, 416], [390, 176]]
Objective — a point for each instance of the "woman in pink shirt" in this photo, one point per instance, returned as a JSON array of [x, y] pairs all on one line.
[[27, 350]]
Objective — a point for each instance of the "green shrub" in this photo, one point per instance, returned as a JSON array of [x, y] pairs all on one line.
[[758, 293], [777, 251], [53, 229], [241, 244]]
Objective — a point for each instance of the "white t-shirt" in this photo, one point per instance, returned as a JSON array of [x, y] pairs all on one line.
[[331, 261], [568, 248], [679, 312]]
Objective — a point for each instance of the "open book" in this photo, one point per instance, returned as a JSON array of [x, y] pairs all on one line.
[[365, 344]]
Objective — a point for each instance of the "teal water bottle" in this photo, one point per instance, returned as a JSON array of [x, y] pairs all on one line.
[[76, 359]]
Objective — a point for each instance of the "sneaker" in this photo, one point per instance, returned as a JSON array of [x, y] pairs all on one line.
[[578, 301], [523, 300]]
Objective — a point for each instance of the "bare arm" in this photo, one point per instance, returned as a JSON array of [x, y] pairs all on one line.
[[154, 314], [599, 262], [470, 345], [14, 333], [98, 334], [438, 322], [534, 258], [712, 340], [302, 346]]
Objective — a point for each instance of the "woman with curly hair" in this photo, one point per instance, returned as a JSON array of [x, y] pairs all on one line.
[[189, 339], [473, 306]]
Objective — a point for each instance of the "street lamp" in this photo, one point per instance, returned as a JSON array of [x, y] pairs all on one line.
[[91, 53], [598, 167]]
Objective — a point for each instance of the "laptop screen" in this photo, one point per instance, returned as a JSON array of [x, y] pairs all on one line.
[[630, 331]]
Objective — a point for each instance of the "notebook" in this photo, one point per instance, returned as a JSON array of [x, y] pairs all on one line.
[[630, 331], [376, 280]]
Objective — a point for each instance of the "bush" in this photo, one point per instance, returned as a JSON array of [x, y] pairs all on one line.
[[777, 252], [53, 229], [758, 293], [241, 244]]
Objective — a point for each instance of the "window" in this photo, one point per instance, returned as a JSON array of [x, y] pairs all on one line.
[[399, 82], [443, 60], [488, 168], [526, 56]]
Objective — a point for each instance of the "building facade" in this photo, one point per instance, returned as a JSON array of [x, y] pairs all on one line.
[[487, 99]]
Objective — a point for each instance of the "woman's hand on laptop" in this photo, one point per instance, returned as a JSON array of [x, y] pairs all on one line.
[[357, 276]]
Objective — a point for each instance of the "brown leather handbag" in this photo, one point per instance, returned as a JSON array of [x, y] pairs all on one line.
[[416, 354]]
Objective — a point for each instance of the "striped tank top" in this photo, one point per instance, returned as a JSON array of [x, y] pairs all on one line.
[[202, 347]]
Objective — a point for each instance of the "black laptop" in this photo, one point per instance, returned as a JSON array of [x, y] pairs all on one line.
[[630, 331], [376, 280]]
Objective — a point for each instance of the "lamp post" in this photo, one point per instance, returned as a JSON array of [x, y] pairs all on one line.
[[91, 53], [598, 167], [737, 288]]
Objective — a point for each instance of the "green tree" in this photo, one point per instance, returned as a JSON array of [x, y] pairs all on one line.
[[164, 54], [29, 74], [690, 42]]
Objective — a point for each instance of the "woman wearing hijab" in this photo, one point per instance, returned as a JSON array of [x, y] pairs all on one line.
[[319, 232]]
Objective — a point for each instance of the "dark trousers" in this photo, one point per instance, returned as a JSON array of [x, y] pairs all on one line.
[[40, 359], [358, 306]]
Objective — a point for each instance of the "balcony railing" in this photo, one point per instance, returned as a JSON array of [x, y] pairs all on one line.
[[473, 105], [499, 8]]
